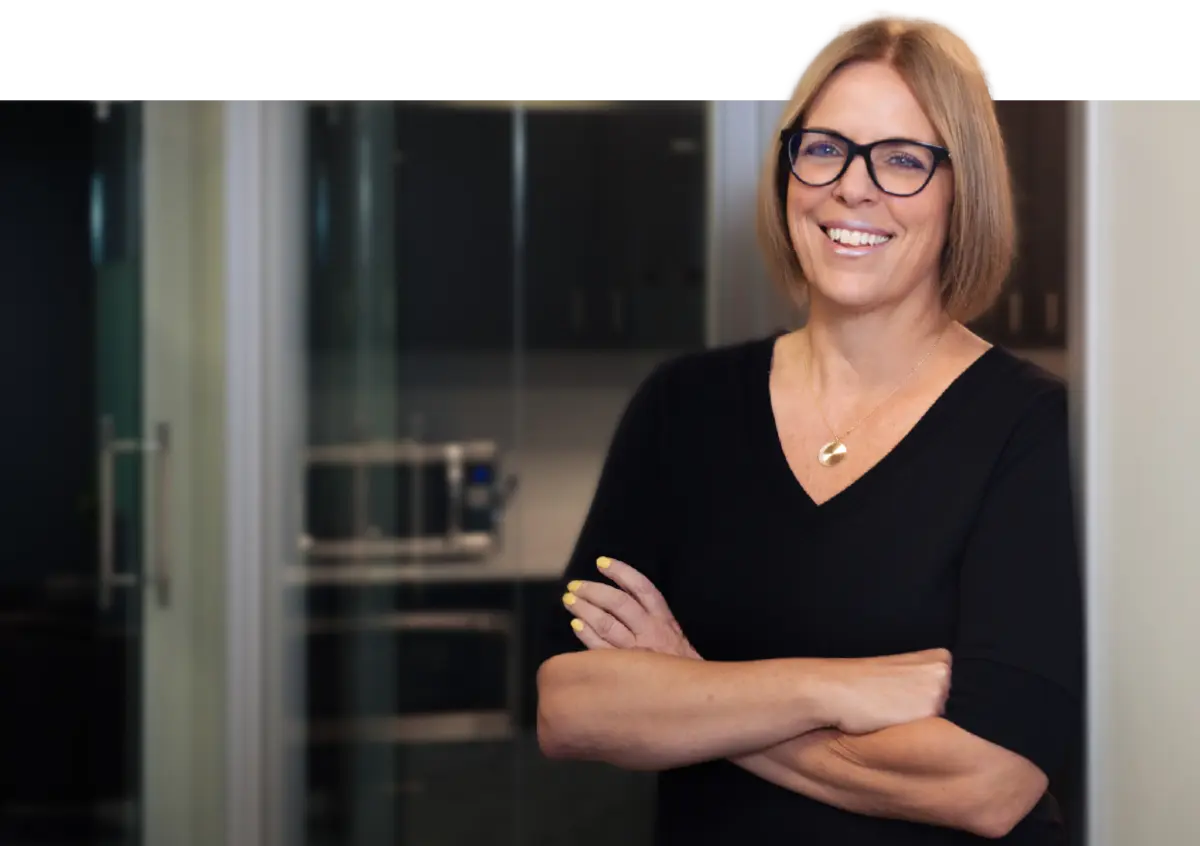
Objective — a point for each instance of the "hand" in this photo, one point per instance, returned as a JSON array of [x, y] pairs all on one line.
[[869, 694], [633, 617]]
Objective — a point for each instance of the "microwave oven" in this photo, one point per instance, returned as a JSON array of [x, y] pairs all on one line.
[[404, 500]]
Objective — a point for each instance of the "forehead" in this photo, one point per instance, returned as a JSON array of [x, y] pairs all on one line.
[[867, 101]]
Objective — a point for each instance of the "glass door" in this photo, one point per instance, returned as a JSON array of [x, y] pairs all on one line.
[[85, 607], [408, 626], [486, 285], [125, 450], [71, 619]]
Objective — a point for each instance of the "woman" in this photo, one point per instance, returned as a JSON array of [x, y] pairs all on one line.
[[794, 536]]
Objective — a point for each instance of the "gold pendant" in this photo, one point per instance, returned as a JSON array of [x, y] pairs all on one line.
[[832, 453]]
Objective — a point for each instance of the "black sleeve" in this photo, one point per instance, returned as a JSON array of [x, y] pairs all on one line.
[[627, 514], [1018, 658]]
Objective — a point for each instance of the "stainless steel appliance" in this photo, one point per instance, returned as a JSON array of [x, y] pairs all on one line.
[[405, 499]]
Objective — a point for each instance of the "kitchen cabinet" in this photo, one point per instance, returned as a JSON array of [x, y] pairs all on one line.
[[453, 225], [1031, 312], [572, 227], [616, 213]]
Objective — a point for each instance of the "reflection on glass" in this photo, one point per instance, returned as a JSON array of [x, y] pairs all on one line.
[[71, 621], [487, 284]]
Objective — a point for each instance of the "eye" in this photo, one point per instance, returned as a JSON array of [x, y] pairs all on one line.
[[821, 149], [905, 160]]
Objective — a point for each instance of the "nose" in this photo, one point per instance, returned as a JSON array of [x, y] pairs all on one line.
[[856, 186]]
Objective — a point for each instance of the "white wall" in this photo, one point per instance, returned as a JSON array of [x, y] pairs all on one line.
[[1141, 369]]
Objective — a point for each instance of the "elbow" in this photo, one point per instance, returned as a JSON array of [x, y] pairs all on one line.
[[576, 718], [558, 722], [992, 824], [551, 740], [1001, 799]]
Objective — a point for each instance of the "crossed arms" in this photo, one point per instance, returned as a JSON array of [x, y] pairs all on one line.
[[863, 735]]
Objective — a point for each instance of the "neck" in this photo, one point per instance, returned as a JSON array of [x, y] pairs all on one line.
[[864, 352]]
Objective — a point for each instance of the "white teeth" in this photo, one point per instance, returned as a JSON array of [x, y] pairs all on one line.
[[855, 238]]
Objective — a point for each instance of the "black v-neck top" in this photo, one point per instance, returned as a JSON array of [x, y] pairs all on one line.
[[961, 537]]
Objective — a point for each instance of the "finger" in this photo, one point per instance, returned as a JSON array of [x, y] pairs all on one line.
[[616, 602], [588, 635], [600, 621], [925, 656], [636, 585]]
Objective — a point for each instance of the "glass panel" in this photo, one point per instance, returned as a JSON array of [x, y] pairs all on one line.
[[116, 229], [70, 643], [408, 638], [111, 719], [487, 285]]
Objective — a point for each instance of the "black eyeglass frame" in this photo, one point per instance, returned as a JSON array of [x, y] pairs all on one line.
[[853, 151]]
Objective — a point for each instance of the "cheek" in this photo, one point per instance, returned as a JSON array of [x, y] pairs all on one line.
[[926, 216], [801, 200], [940, 200]]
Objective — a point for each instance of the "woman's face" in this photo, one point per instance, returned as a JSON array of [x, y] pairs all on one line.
[[867, 102]]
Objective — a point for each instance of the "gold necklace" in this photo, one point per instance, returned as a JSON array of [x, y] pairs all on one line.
[[833, 453]]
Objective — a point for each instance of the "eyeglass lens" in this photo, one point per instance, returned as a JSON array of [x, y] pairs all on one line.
[[818, 159]]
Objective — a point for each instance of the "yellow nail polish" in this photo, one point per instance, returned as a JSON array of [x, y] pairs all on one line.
[[568, 599], [577, 624], [603, 561], [574, 586]]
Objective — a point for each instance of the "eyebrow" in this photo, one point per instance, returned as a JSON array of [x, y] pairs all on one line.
[[829, 131]]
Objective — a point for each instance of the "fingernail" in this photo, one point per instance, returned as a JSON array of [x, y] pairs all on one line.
[[577, 624], [574, 586], [603, 561], [568, 599]]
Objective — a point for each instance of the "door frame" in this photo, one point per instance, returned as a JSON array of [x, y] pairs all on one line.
[[181, 731], [264, 215]]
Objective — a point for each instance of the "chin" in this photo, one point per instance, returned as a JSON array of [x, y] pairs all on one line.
[[850, 292]]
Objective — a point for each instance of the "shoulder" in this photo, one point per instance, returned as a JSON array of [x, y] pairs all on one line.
[[1021, 387], [714, 375], [1022, 406]]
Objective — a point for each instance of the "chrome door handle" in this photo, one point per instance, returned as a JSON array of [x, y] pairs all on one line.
[[112, 448]]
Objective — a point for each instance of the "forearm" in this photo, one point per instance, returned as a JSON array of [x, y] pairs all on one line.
[[929, 771], [642, 710]]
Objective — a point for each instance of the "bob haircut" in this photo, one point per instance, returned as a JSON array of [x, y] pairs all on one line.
[[948, 83]]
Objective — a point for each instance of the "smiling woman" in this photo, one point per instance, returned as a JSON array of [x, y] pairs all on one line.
[[803, 593]]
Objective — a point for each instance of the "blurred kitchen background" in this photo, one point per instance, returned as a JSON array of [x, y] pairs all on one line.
[[311, 400]]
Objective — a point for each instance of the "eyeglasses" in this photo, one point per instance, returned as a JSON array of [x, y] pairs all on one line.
[[898, 166]]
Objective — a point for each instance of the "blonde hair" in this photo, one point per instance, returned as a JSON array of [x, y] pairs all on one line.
[[948, 83]]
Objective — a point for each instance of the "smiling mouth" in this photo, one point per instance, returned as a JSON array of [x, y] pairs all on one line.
[[854, 237]]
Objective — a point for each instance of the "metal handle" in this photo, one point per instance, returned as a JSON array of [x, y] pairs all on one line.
[[110, 449], [108, 568], [454, 484]]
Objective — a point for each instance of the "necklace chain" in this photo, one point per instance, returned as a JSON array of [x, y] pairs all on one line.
[[838, 446]]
